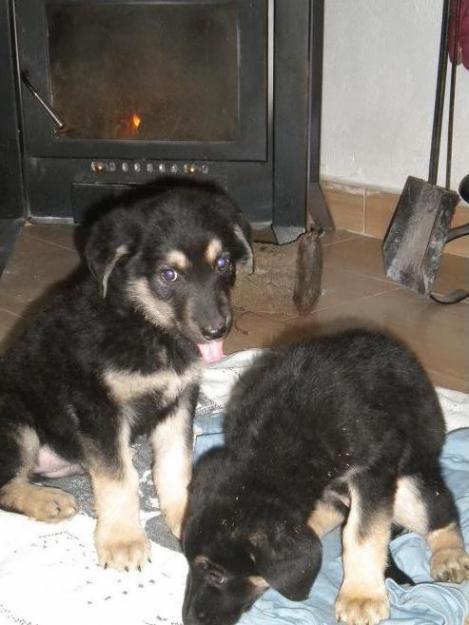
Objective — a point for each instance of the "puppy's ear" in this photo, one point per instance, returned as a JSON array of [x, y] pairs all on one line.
[[111, 238], [288, 558], [241, 229]]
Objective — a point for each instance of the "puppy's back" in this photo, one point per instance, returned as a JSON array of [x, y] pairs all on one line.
[[345, 390]]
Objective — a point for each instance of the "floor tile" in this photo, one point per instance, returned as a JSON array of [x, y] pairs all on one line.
[[439, 334], [9, 327], [354, 290], [34, 267], [62, 235]]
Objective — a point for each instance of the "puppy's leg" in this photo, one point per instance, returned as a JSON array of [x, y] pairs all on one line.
[[325, 517], [362, 599], [121, 542], [19, 446], [172, 469], [424, 505]]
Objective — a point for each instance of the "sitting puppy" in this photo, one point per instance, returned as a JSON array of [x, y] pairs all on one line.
[[350, 418], [118, 354]]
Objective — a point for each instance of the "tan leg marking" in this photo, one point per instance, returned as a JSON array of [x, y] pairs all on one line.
[[121, 542], [450, 562], [362, 599], [324, 518], [409, 509], [37, 502], [172, 468]]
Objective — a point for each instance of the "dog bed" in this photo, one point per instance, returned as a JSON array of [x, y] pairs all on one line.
[[49, 576]]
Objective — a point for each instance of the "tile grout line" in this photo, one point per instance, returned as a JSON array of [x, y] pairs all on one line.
[[357, 299], [10, 312], [52, 243]]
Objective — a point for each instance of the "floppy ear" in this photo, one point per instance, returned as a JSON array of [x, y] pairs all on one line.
[[110, 239], [288, 558], [241, 229]]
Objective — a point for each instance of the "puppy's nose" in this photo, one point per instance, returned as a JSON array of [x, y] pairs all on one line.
[[212, 332]]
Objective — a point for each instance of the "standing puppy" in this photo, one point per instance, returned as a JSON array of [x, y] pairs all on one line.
[[350, 419], [118, 354]]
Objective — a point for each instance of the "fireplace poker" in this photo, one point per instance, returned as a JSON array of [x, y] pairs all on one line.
[[47, 107]]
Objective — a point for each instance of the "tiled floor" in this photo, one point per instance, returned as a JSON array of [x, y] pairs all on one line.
[[354, 288]]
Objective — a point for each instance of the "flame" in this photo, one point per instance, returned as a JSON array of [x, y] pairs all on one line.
[[135, 120]]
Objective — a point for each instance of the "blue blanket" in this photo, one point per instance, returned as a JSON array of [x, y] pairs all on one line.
[[427, 603]]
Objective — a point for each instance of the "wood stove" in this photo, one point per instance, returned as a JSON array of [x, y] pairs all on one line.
[[114, 94]]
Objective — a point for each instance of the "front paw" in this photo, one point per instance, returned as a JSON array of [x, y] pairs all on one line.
[[450, 565], [361, 607], [124, 549]]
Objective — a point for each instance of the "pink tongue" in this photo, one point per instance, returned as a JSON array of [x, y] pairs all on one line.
[[212, 351]]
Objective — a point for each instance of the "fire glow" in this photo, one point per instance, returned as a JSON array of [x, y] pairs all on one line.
[[135, 121]]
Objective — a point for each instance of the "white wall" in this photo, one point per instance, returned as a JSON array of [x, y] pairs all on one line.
[[380, 63]]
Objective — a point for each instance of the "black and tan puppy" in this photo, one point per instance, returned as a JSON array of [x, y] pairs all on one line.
[[350, 418], [119, 354]]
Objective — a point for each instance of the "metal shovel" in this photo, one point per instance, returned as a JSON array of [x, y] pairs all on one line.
[[419, 228]]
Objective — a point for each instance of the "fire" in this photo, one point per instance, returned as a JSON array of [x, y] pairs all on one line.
[[136, 120]]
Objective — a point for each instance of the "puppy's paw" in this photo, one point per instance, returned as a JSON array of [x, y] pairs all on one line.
[[51, 504], [122, 549], [450, 565], [361, 609]]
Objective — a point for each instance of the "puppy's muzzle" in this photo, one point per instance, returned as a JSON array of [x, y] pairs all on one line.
[[213, 331]]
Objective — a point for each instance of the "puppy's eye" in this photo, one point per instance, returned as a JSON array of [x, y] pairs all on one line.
[[214, 577], [169, 274], [222, 263], [213, 574]]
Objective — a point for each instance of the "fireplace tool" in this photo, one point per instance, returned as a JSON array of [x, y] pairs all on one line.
[[420, 226], [45, 105]]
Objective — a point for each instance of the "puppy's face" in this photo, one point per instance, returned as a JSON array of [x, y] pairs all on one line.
[[222, 586], [174, 259], [238, 545]]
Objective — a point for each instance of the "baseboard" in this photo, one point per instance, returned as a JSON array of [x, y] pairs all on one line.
[[368, 210]]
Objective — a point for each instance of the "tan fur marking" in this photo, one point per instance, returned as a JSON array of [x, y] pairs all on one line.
[[324, 518], [37, 502], [450, 563], [121, 543], [177, 260], [362, 599], [213, 250], [172, 468], [155, 311], [200, 560], [258, 581], [127, 385], [120, 251], [409, 509]]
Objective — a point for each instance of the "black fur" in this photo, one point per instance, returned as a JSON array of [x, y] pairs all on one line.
[[51, 380], [304, 425]]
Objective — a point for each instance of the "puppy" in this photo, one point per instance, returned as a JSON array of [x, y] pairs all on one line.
[[118, 354], [350, 418]]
